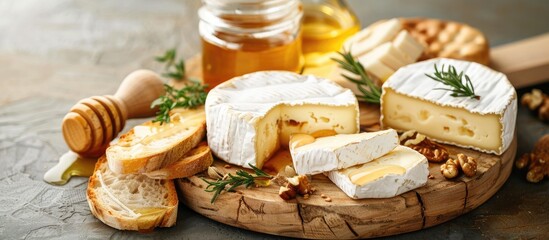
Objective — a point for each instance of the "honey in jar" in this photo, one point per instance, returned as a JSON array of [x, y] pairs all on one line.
[[244, 36], [326, 25]]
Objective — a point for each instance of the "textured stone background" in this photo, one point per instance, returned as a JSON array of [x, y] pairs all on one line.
[[55, 52]]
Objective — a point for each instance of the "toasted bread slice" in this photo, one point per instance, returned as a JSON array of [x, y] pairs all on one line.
[[131, 201], [195, 161], [152, 146]]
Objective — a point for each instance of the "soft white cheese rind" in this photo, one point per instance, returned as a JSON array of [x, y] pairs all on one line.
[[497, 95], [342, 151], [390, 185], [244, 114]]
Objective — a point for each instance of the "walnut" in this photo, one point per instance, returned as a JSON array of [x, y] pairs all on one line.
[[215, 173], [298, 185], [434, 152], [467, 164], [289, 171], [287, 193], [537, 102], [301, 184], [536, 161], [543, 111], [450, 169], [280, 180], [532, 100]]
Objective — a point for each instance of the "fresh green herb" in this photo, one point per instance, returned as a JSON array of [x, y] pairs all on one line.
[[230, 182], [451, 78], [370, 91], [174, 69], [191, 96]]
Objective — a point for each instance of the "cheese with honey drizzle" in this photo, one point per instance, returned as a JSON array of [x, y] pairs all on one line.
[[312, 155], [397, 172]]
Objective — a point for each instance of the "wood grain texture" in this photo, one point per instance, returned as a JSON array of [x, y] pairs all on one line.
[[440, 200], [94, 122], [137, 91], [525, 62], [261, 210]]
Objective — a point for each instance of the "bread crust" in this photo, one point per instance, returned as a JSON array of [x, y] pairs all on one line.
[[154, 161], [196, 160], [101, 210]]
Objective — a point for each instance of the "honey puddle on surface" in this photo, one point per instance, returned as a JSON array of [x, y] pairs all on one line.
[[70, 164]]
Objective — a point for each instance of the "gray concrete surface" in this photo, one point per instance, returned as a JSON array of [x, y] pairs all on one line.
[[55, 52]]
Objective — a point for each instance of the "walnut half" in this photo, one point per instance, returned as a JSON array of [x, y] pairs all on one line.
[[434, 152], [295, 185], [301, 184], [537, 102], [287, 193], [467, 164], [464, 163], [536, 161], [450, 169]]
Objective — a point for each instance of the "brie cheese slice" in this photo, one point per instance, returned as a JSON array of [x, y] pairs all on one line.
[[397, 172], [339, 151]]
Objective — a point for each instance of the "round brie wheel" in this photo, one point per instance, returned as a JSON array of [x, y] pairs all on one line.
[[250, 117]]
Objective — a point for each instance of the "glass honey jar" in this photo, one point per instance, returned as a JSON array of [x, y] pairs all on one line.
[[326, 25], [244, 36]]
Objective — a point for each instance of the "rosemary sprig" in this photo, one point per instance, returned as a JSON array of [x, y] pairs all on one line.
[[230, 182], [191, 96], [370, 91], [174, 69], [451, 78]]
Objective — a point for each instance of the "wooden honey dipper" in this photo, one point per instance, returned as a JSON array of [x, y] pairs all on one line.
[[94, 122]]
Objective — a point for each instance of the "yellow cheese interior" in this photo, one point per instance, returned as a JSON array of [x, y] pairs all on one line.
[[275, 128], [448, 124], [362, 176], [395, 162]]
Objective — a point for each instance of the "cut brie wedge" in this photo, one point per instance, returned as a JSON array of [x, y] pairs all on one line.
[[397, 172], [410, 101], [316, 155], [249, 117]]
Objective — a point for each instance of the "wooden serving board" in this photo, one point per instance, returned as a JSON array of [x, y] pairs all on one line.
[[262, 210]]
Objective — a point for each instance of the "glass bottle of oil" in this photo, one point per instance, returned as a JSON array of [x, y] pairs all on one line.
[[326, 25], [243, 36]]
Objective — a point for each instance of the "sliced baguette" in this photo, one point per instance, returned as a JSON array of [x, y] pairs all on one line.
[[131, 201], [152, 146], [195, 161]]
